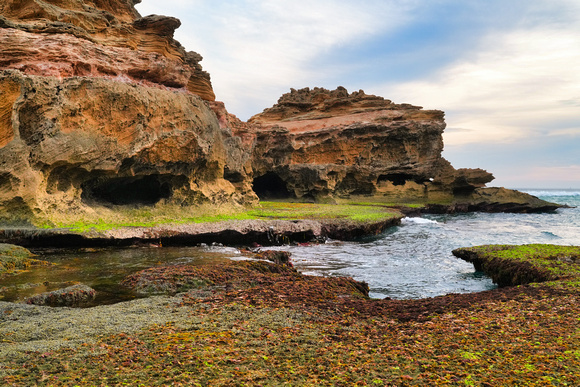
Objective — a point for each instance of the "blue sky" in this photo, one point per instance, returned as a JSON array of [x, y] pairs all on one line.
[[506, 72]]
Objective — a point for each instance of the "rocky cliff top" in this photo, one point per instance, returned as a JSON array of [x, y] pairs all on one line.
[[98, 38], [319, 103]]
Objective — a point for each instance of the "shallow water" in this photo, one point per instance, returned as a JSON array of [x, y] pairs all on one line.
[[412, 260], [104, 269]]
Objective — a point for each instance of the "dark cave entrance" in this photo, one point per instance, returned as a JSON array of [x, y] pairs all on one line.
[[396, 178], [140, 190], [270, 186]]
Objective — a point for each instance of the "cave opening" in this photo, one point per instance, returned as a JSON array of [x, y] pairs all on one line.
[[396, 178], [463, 191], [271, 186], [138, 190]]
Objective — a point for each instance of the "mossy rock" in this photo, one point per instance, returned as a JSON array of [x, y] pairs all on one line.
[[13, 258], [510, 265]]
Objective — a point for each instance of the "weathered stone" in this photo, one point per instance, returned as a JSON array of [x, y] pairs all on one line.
[[100, 106], [81, 140], [76, 295], [100, 38], [319, 143]]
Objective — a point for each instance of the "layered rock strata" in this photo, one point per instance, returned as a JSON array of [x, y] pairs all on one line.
[[319, 143], [100, 106]]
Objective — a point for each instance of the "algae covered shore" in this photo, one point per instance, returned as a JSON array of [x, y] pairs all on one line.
[[263, 323]]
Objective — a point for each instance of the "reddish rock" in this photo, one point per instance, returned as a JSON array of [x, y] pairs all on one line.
[[319, 143], [101, 38]]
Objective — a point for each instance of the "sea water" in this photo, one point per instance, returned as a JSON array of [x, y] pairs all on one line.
[[414, 260]]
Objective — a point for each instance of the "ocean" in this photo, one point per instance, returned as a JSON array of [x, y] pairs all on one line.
[[414, 260]]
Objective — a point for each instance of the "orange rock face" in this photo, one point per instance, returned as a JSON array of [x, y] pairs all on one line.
[[100, 106], [318, 142], [102, 38]]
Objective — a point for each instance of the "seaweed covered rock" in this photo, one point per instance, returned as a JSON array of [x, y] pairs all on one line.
[[14, 258], [76, 295], [256, 282], [510, 265]]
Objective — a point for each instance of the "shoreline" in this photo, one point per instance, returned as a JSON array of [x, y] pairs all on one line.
[[268, 326]]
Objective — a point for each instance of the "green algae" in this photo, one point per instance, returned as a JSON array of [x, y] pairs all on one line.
[[511, 265], [162, 215], [14, 258], [292, 331]]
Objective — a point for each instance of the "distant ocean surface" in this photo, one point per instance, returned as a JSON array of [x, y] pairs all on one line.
[[414, 260]]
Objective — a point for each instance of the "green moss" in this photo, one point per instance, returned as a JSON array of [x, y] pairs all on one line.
[[356, 213], [515, 265], [13, 258], [158, 215]]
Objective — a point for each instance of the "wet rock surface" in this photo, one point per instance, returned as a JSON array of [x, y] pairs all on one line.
[[76, 295]]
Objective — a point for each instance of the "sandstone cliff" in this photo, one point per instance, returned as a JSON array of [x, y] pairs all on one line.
[[100, 106], [319, 143]]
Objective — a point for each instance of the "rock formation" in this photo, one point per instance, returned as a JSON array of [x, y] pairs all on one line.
[[319, 143], [102, 107]]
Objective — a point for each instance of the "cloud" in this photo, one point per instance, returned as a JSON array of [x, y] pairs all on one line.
[[256, 50], [521, 83], [559, 176], [570, 132]]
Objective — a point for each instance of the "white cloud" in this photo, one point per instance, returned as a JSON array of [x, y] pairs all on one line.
[[555, 177], [256, 49], [521, 83]]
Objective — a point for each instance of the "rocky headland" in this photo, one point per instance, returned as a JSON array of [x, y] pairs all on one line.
[[103, 115]]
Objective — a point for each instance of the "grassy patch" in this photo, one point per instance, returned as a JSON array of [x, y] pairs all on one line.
[[517, 265], [351, 212], [111, 218]]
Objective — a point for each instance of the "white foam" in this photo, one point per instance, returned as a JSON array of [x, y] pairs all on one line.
[[418, 221], [548, 193]]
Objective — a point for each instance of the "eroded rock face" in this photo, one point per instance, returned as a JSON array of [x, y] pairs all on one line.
[[319, 143], [97, 38], [102, 106], [88, 140]]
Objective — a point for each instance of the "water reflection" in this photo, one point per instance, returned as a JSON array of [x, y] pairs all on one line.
[[104, 269]]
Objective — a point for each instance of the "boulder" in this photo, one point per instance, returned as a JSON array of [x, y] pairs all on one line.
[[76, 295]]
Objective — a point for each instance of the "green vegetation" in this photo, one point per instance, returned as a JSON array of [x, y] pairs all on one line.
[[517, 265], [106, 219], [14, 258]]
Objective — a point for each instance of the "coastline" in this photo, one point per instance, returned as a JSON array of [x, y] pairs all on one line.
[[232, 233], [289, 328]]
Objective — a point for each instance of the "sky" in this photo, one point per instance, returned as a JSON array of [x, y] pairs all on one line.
[[505, 72]]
